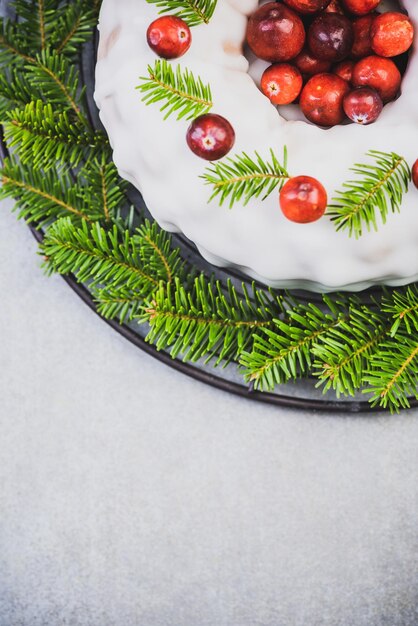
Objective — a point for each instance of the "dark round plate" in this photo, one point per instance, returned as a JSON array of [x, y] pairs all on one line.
[[300, 394]]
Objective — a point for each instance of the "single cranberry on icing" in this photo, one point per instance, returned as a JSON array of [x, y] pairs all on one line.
[[362, 45], [391, 33], [360, 7], [309, 65], [306, 7], [275, 33], [379, 73], [169, 37], [303, 199], [363, 105], [330, 37], [210, 136], [322, 98], [345, 70], [281, 83], [415, 173]]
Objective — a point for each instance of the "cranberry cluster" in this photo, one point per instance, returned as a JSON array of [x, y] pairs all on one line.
[[335, 56]]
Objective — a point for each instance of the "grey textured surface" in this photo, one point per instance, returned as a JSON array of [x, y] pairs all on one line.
[[132, 496]]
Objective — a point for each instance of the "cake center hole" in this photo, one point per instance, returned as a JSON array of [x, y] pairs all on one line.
[[336, 58]]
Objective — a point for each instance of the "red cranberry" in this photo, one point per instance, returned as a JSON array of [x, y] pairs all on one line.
[[363, 105], [335, 7], [275, 33], [210, 137], [360, 7], [345, 70], [330, 37], [391, 33], [303, 199], [362, 45], [379, 73], [281, 83], [322, 97], [169, 37], [310, 65], [307, 7], [415, 173]]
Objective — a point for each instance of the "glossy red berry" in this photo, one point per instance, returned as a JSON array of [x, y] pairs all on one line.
[[309, 65], [210, 136], [362, 45], [360, 7], [363, 105], [306, 7], [330, 37], [275, 33], [169, 37], [281, 83], [379, 73], [335, 7], [345, 70], [303, 199], [415, 173], [322, 98], [391, 33]]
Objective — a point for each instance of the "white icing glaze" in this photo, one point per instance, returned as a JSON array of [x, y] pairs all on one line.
[[153, 155]]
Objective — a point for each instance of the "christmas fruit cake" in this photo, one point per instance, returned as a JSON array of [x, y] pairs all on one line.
[[280, 137]]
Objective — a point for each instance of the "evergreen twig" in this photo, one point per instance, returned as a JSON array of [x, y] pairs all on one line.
[[377, 190], [194, 12], [178, 89], [245, 177]]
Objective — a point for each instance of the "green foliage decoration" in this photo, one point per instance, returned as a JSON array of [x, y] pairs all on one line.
[[62, 179], [178, 89], [194, 12]]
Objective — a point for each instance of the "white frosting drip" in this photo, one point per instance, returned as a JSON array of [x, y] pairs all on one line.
[[257, 238]]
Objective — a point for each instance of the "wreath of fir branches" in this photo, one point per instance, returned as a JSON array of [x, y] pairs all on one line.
[[62, 178]]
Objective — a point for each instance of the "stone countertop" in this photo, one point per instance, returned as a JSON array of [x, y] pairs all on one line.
[[131, 495]]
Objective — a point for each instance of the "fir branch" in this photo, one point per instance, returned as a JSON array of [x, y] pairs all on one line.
[[178, 89], [343, 353], [402, 306], [378, 189], [43, 196], [58, 80], [194, 12], [45, 137], [14, 48], [73, 27], [102, 188], [284, 352], [15, 92], [97, 256], [37, 23], [244, 177], [206, 322], [393, 375], [163, 262]]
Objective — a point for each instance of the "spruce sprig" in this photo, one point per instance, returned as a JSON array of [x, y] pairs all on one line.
[[284, 352], [97, 256], [402, 306], [42, 196], [245, 177], [377, 190], [16, 91], [207, 321], [45, 137], [58, 80], [194, 12], [344, 351], [179, 90], [393, 373]]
